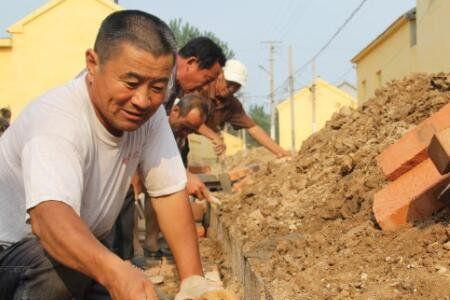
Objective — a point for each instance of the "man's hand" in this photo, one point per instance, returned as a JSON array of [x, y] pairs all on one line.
[[219, 145], [283, 153], [194, 287], [127, 282], [196, 187], [216, 139]]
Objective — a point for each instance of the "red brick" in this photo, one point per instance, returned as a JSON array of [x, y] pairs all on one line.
[[411, 197], [246, 181], [201, 232], [199, 169], [439, 151], [238, 173], [198, 210], [411, 149]]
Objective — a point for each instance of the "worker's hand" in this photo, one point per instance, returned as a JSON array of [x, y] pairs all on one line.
[[195, 286], [196, 187], [219, 146], [128, 282], [284, 153]]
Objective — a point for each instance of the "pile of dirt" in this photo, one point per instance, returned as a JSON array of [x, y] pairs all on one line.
[[307, 224], [257, 155]]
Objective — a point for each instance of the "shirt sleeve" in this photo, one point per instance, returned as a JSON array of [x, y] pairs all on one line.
[[238, 117], [52, 170], [161, 161]]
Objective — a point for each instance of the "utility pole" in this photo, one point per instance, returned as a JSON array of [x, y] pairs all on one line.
[[313, 94], [272, 85], [244, 131], [292, 100]]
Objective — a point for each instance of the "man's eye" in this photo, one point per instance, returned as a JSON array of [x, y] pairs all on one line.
[[131, 84], [157, 89]]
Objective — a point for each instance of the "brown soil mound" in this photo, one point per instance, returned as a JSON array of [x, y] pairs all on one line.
[[258, 155], [308, 224]]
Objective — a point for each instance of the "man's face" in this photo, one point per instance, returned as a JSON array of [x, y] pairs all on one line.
[[225, 88], [191, 77], [128, 88], [184, 125]]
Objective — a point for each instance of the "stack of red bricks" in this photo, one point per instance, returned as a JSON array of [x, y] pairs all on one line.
[[417, 171], [240, 176]]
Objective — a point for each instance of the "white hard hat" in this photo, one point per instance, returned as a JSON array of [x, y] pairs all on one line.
[[235, 71]]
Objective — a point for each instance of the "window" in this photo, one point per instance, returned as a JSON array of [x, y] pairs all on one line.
[[412, 32], [379, 79], [363, 91]]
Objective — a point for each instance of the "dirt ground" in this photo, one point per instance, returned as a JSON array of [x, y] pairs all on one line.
[[213, 264], [308, 223]]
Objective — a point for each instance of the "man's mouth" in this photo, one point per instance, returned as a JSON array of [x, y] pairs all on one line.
[[133, 116]]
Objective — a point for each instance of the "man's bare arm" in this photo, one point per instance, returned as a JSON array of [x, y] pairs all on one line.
[[68, 240], [219, 145], [176, 222], [261, 137]]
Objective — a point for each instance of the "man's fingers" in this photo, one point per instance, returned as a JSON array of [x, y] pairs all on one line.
[[150, 293], [198, 193], [207, 194]]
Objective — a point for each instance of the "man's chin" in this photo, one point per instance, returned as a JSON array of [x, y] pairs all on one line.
[[131, 126]]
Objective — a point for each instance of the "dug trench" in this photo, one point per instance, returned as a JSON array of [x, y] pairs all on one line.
[[305, 230]]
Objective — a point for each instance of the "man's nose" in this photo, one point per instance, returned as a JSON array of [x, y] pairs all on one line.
[[141, 98]]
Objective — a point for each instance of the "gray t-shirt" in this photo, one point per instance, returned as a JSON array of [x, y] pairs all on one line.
[[57, 149]]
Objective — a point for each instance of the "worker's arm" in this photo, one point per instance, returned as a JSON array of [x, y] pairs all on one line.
[[196, 187], [67, 239], [216, 139], [176, 222], [136, 182], [261, 137]]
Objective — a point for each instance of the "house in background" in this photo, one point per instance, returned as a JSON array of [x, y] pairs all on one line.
[[328, 100], [202, 150], [415, 42], [348, 88], [46, 48]]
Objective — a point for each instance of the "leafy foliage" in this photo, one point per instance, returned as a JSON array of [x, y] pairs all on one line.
[[184, 32]]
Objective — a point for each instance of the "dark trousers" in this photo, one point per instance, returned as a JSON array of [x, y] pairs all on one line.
[[123, 228], [27, 271]]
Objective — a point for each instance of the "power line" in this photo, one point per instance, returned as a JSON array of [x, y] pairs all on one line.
[[292, 11], [338, 31], [279, 18], [326, 45], [298, 17]]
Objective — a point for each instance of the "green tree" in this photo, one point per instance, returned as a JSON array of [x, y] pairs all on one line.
[[184, 32], [261, 118]]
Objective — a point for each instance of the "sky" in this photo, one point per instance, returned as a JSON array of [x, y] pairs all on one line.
[[306, 25]]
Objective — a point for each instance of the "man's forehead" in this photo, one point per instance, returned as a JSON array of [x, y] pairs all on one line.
[[134, 61], [193, 113]]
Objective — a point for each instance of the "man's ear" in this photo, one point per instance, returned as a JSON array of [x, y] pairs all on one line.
[[192, 60], [92, 63], [176, 110]]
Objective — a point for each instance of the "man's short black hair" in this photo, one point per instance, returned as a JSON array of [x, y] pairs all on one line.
[[205, 50], [194, 101], [5, 113], [138, 28]]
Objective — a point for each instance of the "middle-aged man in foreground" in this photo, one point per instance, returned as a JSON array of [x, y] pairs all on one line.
[[67, 162]]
